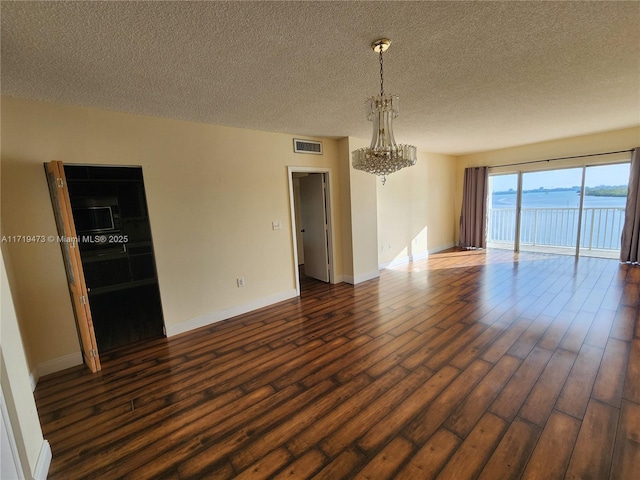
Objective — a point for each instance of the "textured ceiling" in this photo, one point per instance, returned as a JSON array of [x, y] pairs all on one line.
[[471, 76]]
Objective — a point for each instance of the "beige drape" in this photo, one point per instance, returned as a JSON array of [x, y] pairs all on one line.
[[473, 218], [630, 250]]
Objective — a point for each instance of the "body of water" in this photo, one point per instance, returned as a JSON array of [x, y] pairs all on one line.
[[555, 200]]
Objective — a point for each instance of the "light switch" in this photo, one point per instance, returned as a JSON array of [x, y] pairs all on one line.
[[276, 225]]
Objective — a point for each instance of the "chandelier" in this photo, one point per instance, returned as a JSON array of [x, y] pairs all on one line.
[[383, 156]]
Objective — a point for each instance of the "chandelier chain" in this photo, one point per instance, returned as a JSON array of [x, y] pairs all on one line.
[[381, 77]]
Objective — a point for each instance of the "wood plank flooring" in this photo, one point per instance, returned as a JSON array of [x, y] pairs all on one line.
[[465, 365]]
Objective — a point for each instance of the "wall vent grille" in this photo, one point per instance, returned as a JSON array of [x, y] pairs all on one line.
[[307, 146]]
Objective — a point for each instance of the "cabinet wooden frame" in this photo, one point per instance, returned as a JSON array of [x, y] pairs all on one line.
[[68, 240]]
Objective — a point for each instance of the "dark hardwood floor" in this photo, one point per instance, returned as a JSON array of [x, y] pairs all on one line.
[[465, 365]]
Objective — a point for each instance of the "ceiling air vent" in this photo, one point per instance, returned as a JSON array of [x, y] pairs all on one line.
[[307, 146]]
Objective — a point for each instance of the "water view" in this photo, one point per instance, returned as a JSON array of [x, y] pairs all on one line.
[[557, 199]]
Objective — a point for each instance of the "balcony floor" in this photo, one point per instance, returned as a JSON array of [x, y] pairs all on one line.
[[596, 253]]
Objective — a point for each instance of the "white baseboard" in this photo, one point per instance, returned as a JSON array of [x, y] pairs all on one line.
[[58, 364], [44, 461], [75, 359], [443, 248], [413, 258], [404, 260], [420, 256], [228, 313], [361, 278], [393, 263], [33, 379]]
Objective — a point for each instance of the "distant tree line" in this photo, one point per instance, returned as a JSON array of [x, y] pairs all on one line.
[[599, 191], [607, 191]]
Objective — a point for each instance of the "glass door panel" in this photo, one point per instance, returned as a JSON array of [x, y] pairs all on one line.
[[603, 212], [501, 211], [550, 211]]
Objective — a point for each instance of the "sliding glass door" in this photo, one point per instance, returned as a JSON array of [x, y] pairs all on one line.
[[548, 211]]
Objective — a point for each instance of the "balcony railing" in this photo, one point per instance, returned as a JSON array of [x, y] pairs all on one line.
[[558, 227]]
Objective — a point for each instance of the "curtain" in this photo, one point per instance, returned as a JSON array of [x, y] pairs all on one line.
[[474, 208], [630, 250]]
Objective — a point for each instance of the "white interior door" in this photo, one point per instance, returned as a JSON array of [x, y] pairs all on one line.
[[314, 226]]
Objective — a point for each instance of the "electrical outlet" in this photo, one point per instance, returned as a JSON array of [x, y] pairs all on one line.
[[276, 225], [241, 282]]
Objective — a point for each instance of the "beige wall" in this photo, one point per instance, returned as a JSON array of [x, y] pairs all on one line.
[[16, 388], [364, 218], [583, 145], [416, 209], [345, 198], [212, 192]]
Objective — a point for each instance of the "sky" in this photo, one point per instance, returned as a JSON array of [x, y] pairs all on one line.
[[598, 175]]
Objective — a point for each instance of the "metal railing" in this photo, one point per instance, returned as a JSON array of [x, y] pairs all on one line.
[[601, 227]]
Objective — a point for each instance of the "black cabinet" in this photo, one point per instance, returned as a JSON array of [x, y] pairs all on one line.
[[117, 252], [132, 267]]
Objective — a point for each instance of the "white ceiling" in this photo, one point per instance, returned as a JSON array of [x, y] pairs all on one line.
[[471, 76]]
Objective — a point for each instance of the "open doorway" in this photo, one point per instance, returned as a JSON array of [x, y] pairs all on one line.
[[310, 203]]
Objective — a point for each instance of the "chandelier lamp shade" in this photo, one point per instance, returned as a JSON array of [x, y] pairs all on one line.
[[383, 156]]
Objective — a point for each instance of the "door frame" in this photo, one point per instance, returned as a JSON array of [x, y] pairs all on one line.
[[12, 445], [330, 216]]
